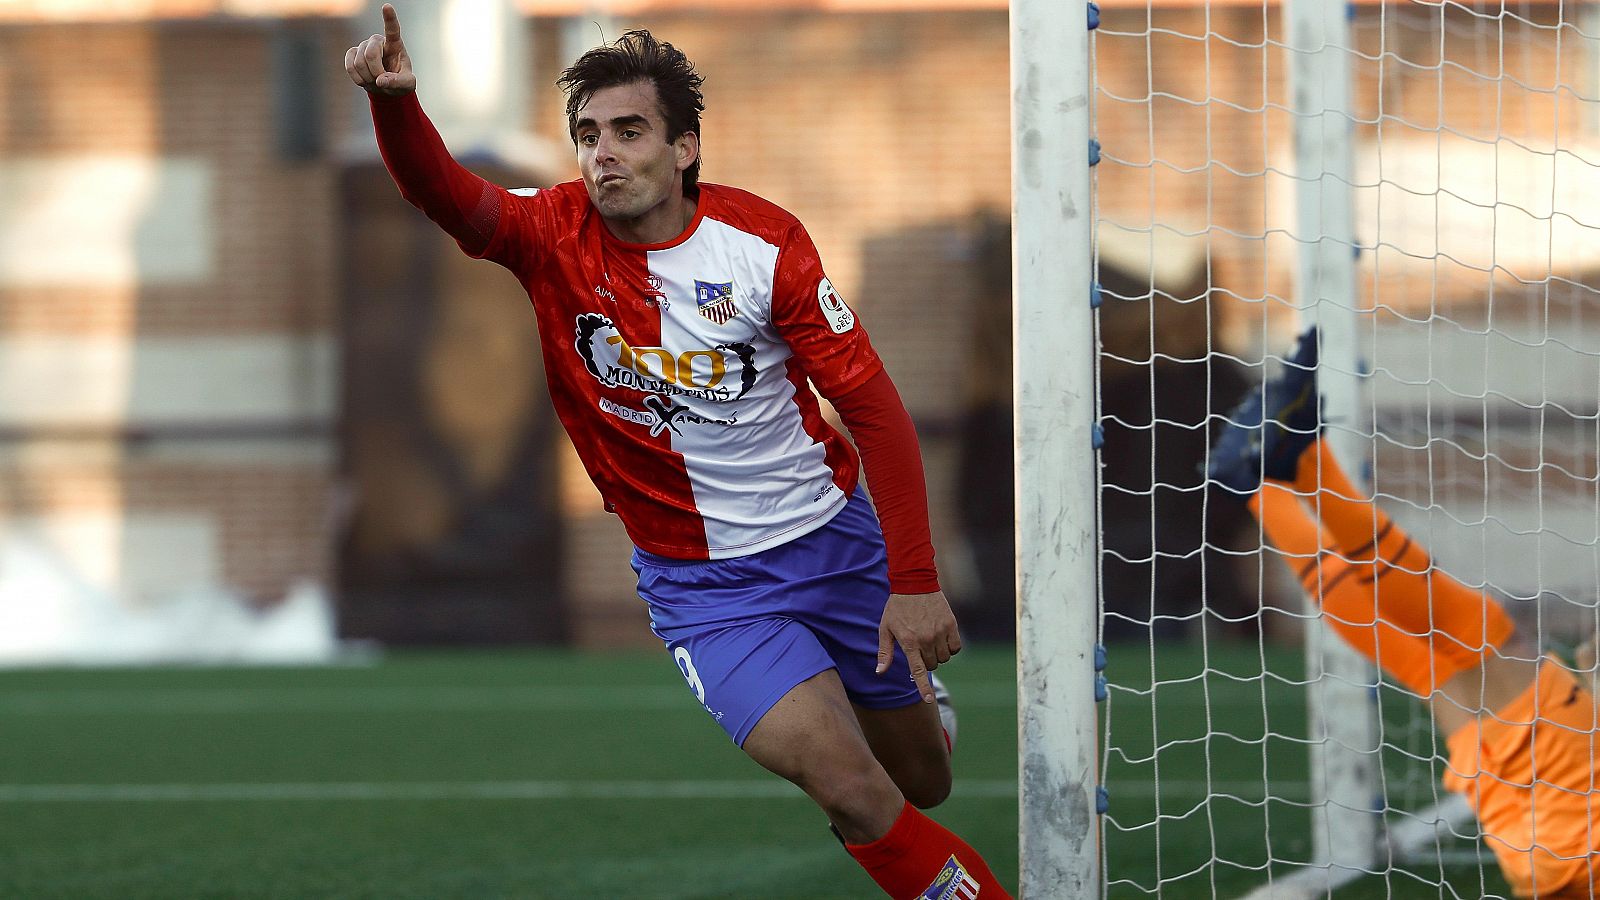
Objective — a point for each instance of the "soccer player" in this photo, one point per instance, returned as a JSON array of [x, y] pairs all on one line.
[[684, 326], [1520, 731]]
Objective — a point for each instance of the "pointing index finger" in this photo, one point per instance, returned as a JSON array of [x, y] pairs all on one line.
[[391, 22], [919, 674]]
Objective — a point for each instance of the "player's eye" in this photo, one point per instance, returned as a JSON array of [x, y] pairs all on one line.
[[630, 133], [588, 140]]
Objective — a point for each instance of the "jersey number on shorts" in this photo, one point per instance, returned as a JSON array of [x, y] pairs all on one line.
[[689, 674]]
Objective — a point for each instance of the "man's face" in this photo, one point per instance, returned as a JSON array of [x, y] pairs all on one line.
[[628, 165]]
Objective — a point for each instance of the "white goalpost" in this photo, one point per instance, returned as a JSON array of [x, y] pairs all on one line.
[[1054, 412], [1418, 179]]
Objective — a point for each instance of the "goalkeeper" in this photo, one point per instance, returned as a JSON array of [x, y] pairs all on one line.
[[1520, 732]]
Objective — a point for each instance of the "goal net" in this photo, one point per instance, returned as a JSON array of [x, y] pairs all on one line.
[[1422, 181]]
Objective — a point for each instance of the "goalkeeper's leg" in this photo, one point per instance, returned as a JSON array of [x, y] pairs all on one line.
[[1522, 736], [1377, 586], [1374, 578]]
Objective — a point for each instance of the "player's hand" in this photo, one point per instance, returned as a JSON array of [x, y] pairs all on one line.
[[380, 64], [925, 628]]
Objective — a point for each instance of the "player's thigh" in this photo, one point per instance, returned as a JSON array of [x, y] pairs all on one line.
[[809, 731], [738, 671], [908, 741], [811, 737]]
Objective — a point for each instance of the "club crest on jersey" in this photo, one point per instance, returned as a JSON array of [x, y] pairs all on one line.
[[953, 883], [715, 301], [840, 317]]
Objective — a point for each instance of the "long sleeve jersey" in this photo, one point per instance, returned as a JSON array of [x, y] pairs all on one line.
[[682, 370]]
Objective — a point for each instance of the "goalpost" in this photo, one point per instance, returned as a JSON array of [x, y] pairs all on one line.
[[1194, 182], [1054, 415]]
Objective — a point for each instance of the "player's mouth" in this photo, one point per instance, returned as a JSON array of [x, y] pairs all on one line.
[[609, 178]]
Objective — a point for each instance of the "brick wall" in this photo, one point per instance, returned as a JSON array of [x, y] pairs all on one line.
[[887, 134], [181, 438]]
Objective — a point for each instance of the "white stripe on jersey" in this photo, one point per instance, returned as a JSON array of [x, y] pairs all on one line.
[[762, 480]]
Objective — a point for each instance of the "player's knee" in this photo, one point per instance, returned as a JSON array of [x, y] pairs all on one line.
[[854, 796], [923, 777], [929, 795], [929, 788]]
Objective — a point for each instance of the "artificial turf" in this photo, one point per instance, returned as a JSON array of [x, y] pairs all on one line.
[[553, 774]]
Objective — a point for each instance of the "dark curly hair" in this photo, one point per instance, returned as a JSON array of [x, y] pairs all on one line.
[[638, 56]]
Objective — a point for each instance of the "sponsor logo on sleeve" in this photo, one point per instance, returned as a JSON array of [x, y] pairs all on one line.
[[715, 301], [839, 316]]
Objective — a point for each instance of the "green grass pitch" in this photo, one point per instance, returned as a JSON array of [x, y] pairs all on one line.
[[551, 774]]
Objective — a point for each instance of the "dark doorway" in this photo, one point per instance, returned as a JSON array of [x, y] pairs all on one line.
[[450, 529]]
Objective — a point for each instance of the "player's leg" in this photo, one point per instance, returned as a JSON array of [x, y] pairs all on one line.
[[811, 738], [771, 684], [1527, 766], [1486, 689], [1522, 748], [844, 611], [1376, 584], [1347, 600], [915, 744], [910, 743], [1408, 590]]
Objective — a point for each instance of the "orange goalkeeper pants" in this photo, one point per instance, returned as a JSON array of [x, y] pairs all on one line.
[[1528, 769], [1529, 772]]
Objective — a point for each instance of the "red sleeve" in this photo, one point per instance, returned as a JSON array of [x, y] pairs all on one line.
[[883, 432], [825, 334], [464, 205]]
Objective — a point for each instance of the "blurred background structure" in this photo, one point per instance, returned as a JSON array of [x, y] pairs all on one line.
[[253, 405], [251, 400], [246, 391]]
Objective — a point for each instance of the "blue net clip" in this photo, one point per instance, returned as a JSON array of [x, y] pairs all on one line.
[[1094, 152], [1097, 436], [1100, 690], [1094, 16], [1102, 800], [1094, 296], [1099, 657]]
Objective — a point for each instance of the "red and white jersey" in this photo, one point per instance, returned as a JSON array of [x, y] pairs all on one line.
[[679, 369]]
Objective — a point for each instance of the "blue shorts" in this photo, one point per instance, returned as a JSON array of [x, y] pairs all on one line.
[[746, 630]]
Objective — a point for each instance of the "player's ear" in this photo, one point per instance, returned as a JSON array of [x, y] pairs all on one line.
[[688, 148]]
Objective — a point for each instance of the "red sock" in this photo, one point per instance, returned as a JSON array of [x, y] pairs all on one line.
[[919, 860]]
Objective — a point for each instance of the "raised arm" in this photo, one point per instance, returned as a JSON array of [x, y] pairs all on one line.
[[464, 205]]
